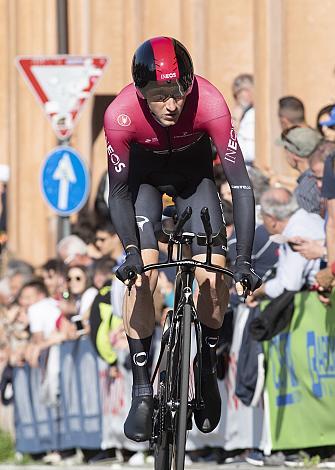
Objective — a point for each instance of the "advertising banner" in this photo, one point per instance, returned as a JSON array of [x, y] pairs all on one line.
[[301, 377], [80, 405], [74, 419], [35, 422]]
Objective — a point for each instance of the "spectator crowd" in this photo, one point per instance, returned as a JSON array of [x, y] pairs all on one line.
[[294, 253]]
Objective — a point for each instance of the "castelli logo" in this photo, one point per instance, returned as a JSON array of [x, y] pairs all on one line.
[[165, 76], [140, 359], [123, 120], [141, 220]]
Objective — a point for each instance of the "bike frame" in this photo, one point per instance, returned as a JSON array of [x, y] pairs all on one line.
[[168, 398]]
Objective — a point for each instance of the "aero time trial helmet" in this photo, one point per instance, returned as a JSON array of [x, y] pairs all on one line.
[[162, 65]]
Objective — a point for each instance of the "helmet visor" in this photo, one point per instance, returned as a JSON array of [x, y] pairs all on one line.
[[162, 91]]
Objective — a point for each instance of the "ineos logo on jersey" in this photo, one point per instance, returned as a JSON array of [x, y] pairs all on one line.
[[141, 220], [165, 76], [123, 120], [140, 359], [231, 147], [115, 159]]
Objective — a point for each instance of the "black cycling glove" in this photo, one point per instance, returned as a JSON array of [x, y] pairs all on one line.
[[133, 263], [244, 273]]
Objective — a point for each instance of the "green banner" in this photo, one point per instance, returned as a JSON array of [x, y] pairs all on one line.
[[300, 379]]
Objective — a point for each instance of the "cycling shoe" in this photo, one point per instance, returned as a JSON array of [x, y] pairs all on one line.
[[207, 418], [138, 425]]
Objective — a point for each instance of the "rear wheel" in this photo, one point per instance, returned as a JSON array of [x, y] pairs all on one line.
[[162, 417], [163, 431], [169, 450], [179, 438], [163, 452]]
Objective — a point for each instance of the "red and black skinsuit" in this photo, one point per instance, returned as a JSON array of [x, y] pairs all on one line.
[[146, 159]]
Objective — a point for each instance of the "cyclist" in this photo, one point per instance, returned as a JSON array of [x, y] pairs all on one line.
[[158, 141]]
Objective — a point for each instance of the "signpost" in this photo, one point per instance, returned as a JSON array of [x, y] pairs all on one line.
[[62, 84], [65, 181]]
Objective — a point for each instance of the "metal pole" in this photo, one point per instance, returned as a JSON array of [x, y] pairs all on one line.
[[63, 223], [62, 27]]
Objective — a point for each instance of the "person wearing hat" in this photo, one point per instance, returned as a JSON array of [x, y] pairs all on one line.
[[325, 122], [299, 143], [291, 112]]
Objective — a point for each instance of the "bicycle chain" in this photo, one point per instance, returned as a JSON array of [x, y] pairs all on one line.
[[162, 408]]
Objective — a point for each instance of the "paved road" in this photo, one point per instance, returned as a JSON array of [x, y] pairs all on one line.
[[116, 466]]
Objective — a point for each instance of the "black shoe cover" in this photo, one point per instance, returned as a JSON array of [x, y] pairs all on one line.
[[208, 417], [138, 425]]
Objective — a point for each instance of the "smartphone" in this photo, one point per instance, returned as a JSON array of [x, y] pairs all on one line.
[[76, 319], [294, 246]]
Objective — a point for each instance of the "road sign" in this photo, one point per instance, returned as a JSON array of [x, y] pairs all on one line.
[[62, 84], [64, 180]]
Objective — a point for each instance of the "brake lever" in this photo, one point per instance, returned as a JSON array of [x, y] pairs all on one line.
[[246, 290], [131, 278]]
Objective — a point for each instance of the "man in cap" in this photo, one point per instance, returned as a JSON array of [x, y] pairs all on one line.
[[291, 112], [326, 122], [299, 143]]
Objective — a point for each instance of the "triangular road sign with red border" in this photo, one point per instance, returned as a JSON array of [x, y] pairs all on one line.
[[62, 84]]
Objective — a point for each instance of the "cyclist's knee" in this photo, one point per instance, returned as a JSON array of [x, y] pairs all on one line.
[[149, 278], [215, 287], [212, 282]]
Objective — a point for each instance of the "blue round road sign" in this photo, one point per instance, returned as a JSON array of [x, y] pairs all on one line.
[[65, 181]]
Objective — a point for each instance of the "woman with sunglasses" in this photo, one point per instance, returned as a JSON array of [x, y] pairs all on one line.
[[79, 297]]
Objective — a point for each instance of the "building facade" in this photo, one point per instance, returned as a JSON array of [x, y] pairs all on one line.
[[286, 44]]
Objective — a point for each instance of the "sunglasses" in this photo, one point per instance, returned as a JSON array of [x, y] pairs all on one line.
[[286, 139], [74, 278]]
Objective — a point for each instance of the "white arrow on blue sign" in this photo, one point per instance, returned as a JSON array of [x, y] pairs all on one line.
[[65, 181]]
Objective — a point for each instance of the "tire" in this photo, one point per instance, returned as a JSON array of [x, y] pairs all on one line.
[[163, 448], [169, 452], [163, 452], [179, 438]]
